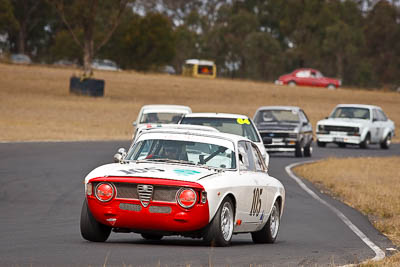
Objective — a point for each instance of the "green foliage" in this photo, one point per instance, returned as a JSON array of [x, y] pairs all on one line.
[[142, 43], [7, 18], [357, 41]]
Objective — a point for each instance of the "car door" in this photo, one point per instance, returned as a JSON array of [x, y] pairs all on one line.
[[376, 127], [306, 127], [250, 201]]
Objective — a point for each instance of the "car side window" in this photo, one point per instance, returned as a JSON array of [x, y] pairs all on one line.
[[381, 115], [246, 162], [303, 74], [375, 116], [258, 159], [303, 116]]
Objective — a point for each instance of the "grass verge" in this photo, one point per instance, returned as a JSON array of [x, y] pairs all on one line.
[[370, 185], [35, 103]]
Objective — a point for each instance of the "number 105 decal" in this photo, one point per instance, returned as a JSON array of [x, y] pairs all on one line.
[[256, 206]]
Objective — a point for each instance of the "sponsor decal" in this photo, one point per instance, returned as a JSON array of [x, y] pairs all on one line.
[[185, 172], [141, 170], [243, 121], [256, 205]]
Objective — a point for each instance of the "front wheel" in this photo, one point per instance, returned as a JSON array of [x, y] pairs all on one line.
[[386, 142], [367, 141], [292, 83], [299, 150], [321, 144], [270, 230], [220, 230], [331, 86], [91, 229], [308, 151]]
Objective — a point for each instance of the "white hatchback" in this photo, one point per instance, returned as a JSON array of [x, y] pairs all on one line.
[[151, 115], [229, 123], [356, 124]]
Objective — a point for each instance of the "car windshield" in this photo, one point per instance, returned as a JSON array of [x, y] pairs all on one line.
[[351, 113], [183, 152], [277, 116], [161, 117], [242, 127]]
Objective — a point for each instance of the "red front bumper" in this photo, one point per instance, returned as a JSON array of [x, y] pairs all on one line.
[[157, 216]]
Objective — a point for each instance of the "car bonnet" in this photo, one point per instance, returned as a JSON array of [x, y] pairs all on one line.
[[151, 170]]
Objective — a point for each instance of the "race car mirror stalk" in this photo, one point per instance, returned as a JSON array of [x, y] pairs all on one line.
[[120, 155]]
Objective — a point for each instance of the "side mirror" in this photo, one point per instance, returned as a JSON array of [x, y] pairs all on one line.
[[120, 155], [134, 123], [267, 140]]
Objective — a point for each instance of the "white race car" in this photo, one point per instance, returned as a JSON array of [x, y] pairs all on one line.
[[229, 123], [356, 124], [153, 115], [199, 184]]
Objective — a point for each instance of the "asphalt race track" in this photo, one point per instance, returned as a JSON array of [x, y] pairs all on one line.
[[42, 191]]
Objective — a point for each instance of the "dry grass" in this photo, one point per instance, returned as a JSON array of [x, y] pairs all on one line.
[[35, 103], [370, 185]]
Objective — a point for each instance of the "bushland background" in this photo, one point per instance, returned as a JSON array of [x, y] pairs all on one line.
[[355, 40]]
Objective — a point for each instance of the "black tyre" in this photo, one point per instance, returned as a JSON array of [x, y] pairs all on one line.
[[308, 151], [151, 236], [91, 229], [220, 230], [342, 145], [367, 141], [331, 86], [299, 151], [269, 232], [385, 144], [321, 144]]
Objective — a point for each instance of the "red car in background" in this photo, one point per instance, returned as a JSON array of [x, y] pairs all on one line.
[[308, 77]]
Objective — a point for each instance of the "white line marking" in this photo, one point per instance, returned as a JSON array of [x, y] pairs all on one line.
[[379, 254]]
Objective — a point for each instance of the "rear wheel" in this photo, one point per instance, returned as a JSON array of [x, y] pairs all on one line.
[[367, 141], [386, 142], [219, 232], [91, 229], [270, 230]]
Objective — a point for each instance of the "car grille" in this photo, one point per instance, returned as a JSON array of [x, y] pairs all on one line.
[[136, 191], [331, 128], [274, 134]]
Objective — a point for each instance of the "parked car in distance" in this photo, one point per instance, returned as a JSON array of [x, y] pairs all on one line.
[[357, 125], [308, 77], [288, 127], [184, 182], [20, 59], [229, 123], [105, 64], [153, 115]]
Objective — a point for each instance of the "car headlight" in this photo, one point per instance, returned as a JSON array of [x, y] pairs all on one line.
[[186, 197], [104, 192]]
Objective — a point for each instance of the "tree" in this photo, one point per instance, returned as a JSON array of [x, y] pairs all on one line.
[[142, 43], [96, 19], [382, 31]]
